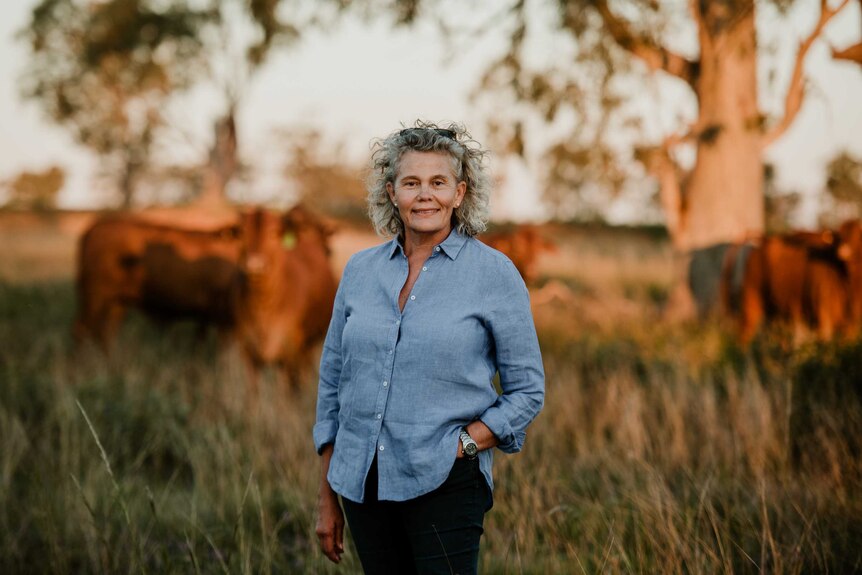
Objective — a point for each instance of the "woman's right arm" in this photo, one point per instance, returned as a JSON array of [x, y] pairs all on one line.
[[326, 425], [330, 518]]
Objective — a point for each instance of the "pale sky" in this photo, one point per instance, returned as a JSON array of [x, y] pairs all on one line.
[[364, 81]]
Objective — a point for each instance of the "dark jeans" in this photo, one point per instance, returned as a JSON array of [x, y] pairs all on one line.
[[435, 533]]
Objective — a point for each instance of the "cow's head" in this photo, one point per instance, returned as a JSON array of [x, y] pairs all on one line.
[[303, 227], [261, 232], [850, 244]]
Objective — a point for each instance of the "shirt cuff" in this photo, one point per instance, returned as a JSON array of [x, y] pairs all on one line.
[[324, 432], [509, 440]]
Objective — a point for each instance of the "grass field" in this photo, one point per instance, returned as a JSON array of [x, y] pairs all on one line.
[[663, 448]]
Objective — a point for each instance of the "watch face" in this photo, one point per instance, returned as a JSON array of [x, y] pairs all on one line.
[[470, 449]]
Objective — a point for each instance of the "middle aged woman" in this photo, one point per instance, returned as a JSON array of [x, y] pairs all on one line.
[[407, 412]]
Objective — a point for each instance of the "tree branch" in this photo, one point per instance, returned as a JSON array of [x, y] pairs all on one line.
[[852, 53], [697, 15], [658, 161], [796, 90], [655, 57]]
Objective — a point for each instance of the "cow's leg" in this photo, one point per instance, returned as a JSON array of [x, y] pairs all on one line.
[[82, 329], [294, 357], [752, 307], [107, 324], [797, 324], [253, 368], [292, 372], [89, 319], [750, 316], [827, 328], [225, 339]]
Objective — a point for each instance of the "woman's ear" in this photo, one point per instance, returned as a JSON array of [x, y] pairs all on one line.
[[391, 191], [460, 192]]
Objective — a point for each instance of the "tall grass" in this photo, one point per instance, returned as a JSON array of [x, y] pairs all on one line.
[[661, 449]]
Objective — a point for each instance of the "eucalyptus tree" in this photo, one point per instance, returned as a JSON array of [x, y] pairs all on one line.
[[105, 70], [616, 75], [108, 69]]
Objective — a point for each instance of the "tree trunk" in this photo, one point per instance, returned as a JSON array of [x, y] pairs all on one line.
[[128, 181], [222, 165], [723, 198]]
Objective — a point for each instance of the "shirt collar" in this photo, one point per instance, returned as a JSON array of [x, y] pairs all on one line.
[[451, 246]]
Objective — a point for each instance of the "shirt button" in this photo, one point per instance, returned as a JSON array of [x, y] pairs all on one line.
[[390, 352], [385, 383], [437, 249], [397, 322], [379, 415], [381, 448], [424, 268], [413, 297]]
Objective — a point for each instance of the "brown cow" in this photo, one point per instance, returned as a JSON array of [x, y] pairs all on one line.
[[796, 278], [166, 272], [285, 301], [850, 252], [523, 245]]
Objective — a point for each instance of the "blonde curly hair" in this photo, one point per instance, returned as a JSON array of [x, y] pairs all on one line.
[[467, 157]]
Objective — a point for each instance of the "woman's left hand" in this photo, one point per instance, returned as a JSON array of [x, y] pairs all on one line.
[[481, 434]]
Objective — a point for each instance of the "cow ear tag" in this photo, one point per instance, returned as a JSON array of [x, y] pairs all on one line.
[[288, 241]]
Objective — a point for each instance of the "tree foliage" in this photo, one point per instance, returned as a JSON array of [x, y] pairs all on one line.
[[596, 87], [781, 205], [604, 85], [325, 181], [844, 185], [106, 70], [35, 190]]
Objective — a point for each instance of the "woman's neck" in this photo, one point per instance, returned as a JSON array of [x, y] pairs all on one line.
[[423, 244]]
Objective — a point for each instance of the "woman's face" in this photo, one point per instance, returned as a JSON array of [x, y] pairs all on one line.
[[426, 191]]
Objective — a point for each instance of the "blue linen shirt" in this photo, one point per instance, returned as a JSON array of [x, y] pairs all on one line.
[[400, 385]]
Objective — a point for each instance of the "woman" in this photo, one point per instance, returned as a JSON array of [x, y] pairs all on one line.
[[407, 413]]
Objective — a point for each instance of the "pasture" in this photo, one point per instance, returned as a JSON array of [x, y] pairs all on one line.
[[663, 447]]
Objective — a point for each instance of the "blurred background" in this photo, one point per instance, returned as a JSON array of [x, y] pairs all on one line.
[[679, 184]]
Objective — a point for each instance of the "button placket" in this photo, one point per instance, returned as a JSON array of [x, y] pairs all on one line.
[[383, 395]]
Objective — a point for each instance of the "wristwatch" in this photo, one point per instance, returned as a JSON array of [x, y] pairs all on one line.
[[471, 448]]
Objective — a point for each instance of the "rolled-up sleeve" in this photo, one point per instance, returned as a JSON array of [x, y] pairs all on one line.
[[326, 424], [519, 360]]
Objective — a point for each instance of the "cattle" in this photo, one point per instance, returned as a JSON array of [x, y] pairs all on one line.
[[285, 299], [523, 245], [850, 252], [798, 279], [166, 272], [851, 53], [264, 282], [704, 276]]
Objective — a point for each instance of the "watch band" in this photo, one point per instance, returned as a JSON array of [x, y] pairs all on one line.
[[468, 444]]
